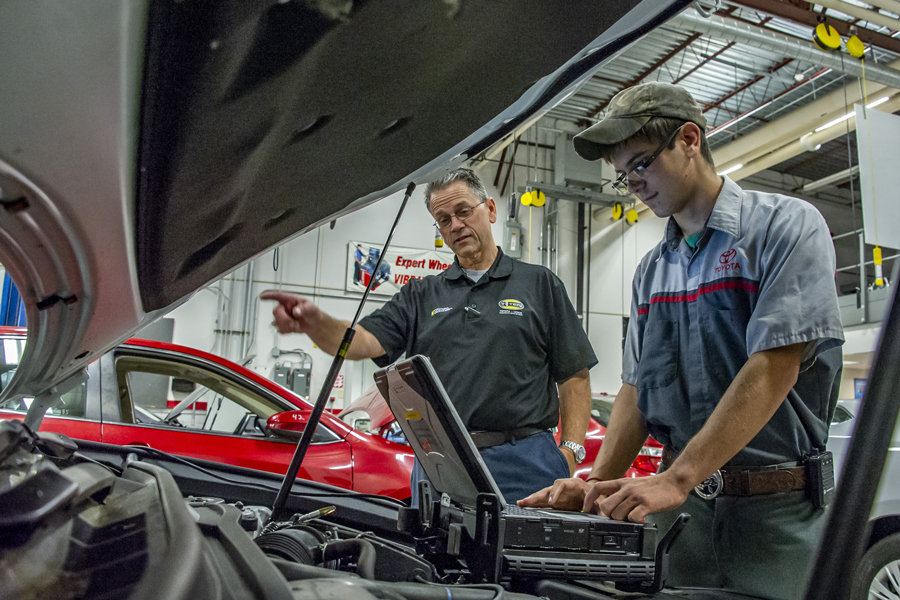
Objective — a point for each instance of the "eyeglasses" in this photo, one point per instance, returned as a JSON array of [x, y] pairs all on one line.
[[462, 214], [620, 185]]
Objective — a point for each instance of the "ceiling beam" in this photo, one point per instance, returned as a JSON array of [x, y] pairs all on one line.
[[704, 62], [791, 12], [642, 75], [714, 104]]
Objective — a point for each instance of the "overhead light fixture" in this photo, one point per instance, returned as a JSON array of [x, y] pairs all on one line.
[[851, 362], [831, 180], [731, 169], [737, 119], [850, 114]]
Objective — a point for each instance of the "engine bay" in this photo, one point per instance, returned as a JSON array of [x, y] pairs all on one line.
[[104, 522]]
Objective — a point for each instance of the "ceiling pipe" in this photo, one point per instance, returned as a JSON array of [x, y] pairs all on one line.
[[750, 35], [797, 147], [863, 13], [804, 16], [888, 5]]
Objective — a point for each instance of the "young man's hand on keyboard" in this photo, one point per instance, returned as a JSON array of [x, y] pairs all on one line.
[[564, 494]]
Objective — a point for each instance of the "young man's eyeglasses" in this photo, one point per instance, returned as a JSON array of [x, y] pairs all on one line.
[[620, 185], [443, 222]]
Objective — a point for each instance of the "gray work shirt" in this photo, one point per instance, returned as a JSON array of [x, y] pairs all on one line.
[[761, 277], [499, 345]]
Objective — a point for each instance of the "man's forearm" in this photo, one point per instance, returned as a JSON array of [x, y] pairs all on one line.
[[760, 387], [625, 435], [575, 407]]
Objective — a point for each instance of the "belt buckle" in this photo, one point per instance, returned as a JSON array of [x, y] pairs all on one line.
[[711, 487]]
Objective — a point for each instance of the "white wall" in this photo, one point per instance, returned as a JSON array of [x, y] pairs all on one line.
[[315, 265], [616, 250]]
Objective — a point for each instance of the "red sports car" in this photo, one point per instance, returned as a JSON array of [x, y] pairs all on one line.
[[191, 403]]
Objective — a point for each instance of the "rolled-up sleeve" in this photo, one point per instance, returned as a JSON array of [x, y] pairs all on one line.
[[570, 350], [392, 324]]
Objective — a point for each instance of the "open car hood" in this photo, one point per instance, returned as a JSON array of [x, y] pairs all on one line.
[[149, 147]]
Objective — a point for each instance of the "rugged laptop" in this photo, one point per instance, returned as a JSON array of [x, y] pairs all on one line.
[[530, 542]]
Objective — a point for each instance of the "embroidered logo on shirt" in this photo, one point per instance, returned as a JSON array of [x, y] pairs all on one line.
[[438, 311], [511, 307], [728, 261]]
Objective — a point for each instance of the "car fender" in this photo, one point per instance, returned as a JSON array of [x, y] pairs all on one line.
[[883, 526]]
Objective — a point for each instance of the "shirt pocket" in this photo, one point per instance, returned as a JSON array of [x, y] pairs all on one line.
[[726, 351], [659, 354]]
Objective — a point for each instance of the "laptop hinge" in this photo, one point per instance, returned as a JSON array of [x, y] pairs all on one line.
[[661, 558]]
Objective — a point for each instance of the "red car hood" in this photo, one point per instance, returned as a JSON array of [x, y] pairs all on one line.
[[373, 404]]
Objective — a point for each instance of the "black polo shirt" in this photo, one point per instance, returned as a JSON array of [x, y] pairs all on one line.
[[499, 345]]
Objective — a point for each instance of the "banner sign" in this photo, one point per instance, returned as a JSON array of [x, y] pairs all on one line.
[[399, 267]]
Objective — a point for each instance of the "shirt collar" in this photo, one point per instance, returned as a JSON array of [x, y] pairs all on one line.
[[725, 216], [501, 267]]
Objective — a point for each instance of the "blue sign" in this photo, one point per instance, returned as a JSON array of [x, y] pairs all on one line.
[[12, 309]]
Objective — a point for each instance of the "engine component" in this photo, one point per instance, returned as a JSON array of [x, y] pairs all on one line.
[[295, 545]]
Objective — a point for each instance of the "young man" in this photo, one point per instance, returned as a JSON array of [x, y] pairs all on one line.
[[732, 358], [501, 334]]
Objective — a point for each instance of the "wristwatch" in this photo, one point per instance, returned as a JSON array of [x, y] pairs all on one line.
[[578, 449]]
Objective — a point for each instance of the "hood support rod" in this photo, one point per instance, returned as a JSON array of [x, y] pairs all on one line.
[[336, 364]]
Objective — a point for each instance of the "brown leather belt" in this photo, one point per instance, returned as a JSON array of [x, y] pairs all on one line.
[[486, 439], [747, 481]]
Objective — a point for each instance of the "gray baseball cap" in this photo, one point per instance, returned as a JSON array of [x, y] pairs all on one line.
[[630, 109]]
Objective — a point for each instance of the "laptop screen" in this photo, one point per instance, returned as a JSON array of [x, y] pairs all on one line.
[[435, 431]]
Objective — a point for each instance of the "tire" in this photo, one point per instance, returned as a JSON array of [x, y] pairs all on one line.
[[878, 576]]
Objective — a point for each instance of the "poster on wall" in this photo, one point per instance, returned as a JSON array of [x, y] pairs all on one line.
[[399, 267], [877, 143]]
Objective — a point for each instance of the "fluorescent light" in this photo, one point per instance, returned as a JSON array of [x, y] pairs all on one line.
[[731, 169], [851, 362], [848, 115]]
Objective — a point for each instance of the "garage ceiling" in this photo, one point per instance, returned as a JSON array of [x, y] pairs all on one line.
[[777, 91]]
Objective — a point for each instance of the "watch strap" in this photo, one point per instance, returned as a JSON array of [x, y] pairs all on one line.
[[576, 448]]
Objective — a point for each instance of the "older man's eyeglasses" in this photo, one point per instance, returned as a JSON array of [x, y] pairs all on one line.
[[620, 185], [443, 222]]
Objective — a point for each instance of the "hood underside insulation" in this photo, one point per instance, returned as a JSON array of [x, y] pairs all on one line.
[[259, 120]]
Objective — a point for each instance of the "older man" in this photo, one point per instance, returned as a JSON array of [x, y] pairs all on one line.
[[501, 334]]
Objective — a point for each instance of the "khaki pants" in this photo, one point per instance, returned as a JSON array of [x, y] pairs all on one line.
[[763, 546]]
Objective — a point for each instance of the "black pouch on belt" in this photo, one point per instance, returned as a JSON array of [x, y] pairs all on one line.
[[820, 479]]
